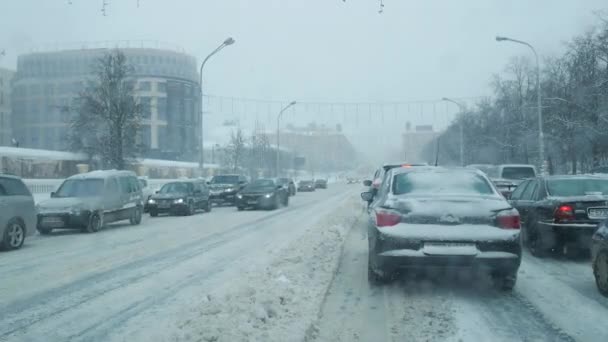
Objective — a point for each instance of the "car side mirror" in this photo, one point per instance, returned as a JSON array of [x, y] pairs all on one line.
[[53, 194], [367, 182], [367, 196]]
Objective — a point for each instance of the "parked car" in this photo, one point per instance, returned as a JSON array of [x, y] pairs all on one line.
[[88, 201], [17, 212], [508, 176], [321, 183], [600, 169], [223, 188], [560, 212], [181, 197], [289, 184], [351, 181], [599, 257], [146, 191], [434, 216], [306, 185], [264, 193]]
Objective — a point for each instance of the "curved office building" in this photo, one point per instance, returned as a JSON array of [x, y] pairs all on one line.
[[166, 83]]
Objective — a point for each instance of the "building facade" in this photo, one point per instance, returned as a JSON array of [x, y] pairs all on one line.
[[6, 76], [414, 142], [166, 81]]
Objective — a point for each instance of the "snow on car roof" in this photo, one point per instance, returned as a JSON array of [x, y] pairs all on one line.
[[30, 153], [102, 174]]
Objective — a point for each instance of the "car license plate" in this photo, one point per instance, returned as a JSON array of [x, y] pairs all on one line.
[[450, 248], [164, 205], [252, 202], [597, 213], [52, 221]]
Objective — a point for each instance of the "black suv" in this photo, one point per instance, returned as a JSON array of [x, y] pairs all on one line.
[[223, 188], [182, 197]]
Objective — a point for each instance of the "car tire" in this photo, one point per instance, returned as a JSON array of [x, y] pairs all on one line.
[[95, 223], [14, 235], [190, 209], [600, 271], [376, 276], [136, 216], [535, 243], [504, 281], [44, 231], [153, 212], [208, 206]]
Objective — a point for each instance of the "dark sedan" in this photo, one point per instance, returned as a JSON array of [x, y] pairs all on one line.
[[432, 217], [306, 185], [180, 198], [321, 183], [599, 257], [561, 213], [262, 194], [223, 188]]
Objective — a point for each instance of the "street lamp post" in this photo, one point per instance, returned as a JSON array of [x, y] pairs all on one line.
[[541, 140], [292, 103], [228, 41], [461, 109]]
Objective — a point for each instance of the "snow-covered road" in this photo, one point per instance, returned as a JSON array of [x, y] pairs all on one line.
[[554, 300], [133, 283]]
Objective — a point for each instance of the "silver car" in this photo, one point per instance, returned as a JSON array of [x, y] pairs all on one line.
[[17, 212], [90, 200]]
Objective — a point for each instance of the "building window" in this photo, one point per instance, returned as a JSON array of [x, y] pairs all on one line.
[[146, 107], [161, 106], [146, 130], [161, 87], [144, 86]]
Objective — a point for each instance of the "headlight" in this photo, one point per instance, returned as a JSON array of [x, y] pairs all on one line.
[[179, 200], [268, 195], [239, 196], [151, 201], [230, 189]]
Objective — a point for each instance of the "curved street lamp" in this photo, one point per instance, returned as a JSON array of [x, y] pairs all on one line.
[[228, 41], [292, 103], [541, 142]]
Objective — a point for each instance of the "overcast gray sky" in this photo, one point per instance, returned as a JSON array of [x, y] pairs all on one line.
[[318, 50], [321, 50]]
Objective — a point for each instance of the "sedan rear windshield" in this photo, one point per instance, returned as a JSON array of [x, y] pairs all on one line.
[[518, 172], [441, 183], [175, 188], [80, 188], [577, 187]]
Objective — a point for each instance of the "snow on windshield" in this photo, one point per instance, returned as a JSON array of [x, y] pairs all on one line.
[[441, 183], [80, 188], [262, 183], [174, 188]]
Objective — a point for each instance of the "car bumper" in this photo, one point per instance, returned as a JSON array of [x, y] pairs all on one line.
[[63, 220], [173, 208], [225, 197], [578, 234], [257, 202]]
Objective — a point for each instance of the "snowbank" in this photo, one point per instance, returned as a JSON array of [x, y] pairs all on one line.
[[279, 301]]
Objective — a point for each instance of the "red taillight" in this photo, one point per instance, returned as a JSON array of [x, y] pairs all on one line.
[[508, 220], [387, 219], [564, 212], [376, 183]]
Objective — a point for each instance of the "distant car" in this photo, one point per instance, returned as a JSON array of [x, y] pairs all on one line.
[[560, 213], [321, 183], [265, 193], [88, 201], [433, 216], [600, 169], [182, 197], [306, 185], [17, 212], [289, 184], [507, 177], [351, 181], [146, 191], [599, 257], [223, 188]]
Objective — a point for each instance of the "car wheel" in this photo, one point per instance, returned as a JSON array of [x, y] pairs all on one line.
[[376, 276], [153, 212], [135, 216], [190, 209], [600, 271], [504, 282], [240, 208], [277, 202], [208, 207], [95, 224], [536, 243], [14, 235]]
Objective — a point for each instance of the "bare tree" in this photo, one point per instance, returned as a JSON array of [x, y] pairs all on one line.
[[108, 113], [234, 152]]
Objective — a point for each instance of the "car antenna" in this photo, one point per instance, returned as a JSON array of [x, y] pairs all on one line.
[[437, 151]]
